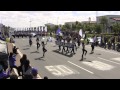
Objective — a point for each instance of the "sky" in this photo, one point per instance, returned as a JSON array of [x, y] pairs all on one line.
[[21, 19]]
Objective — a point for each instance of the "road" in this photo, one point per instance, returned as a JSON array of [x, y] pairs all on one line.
[[103, 64]]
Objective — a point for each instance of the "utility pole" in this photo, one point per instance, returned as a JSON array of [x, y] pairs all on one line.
[[30, 24]]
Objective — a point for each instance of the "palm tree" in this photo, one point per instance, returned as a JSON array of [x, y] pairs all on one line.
[[104, 22]]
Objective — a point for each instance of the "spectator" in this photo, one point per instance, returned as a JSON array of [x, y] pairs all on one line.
[[12, 60], [15, 50], [45, 77], [22, 62], [35, 74], [27, 70], [4, 65], [13, 76], [3, 74]]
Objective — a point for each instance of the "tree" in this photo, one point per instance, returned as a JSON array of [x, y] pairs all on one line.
[[76, 22], [98, 28], [49, 28], [73, 27], [86, 27], [104, 22], [79, 26], [116, 27], [67, 26], [55, 28]]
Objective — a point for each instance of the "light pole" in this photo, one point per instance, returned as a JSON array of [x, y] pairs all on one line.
[[89, 22], [30, 24], [57, 20]]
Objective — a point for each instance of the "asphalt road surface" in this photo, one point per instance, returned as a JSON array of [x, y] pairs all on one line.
[[103, 64]]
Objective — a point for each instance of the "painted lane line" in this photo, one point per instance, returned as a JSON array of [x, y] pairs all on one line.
[[108, 60], [116, 59], [99, 65], [81, 67], [104, 50], [61, 70]]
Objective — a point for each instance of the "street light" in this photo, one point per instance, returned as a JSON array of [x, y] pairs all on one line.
[[30, 24]]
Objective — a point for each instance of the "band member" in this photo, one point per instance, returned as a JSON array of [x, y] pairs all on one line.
[[83, 50], [68, 41], [43, 48], [30, 40], [92, 46], [63, 46], [38, 44]]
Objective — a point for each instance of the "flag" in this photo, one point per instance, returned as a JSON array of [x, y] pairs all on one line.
[[58, 31], [81, 33], [45, 29], [41, 28]]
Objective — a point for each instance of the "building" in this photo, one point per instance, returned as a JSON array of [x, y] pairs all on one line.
[[91, 22], [112, 19], [1, 26], [50, 24], [11, 31], [71, 23]]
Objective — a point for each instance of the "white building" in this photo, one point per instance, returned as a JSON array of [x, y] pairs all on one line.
[[11, 31]]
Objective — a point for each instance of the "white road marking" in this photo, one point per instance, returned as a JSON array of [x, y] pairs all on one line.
[[104, 50], [109, 60], [23, 39], [61, 70], [117, 59], [80, 67], [99, 65]]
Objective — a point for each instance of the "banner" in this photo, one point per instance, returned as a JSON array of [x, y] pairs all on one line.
[[58, 31], [81, 33], [41, 28], [46, 29]]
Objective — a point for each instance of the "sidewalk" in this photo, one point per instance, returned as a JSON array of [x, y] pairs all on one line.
[[18, 57], [10, 47]]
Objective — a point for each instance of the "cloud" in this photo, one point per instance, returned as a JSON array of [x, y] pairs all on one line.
[[39, 18]]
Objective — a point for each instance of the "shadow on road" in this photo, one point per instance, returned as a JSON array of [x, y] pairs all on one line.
[[56, 51], [26, 48], [84, 60], [41, 58], [98, 54], [34, 52]]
